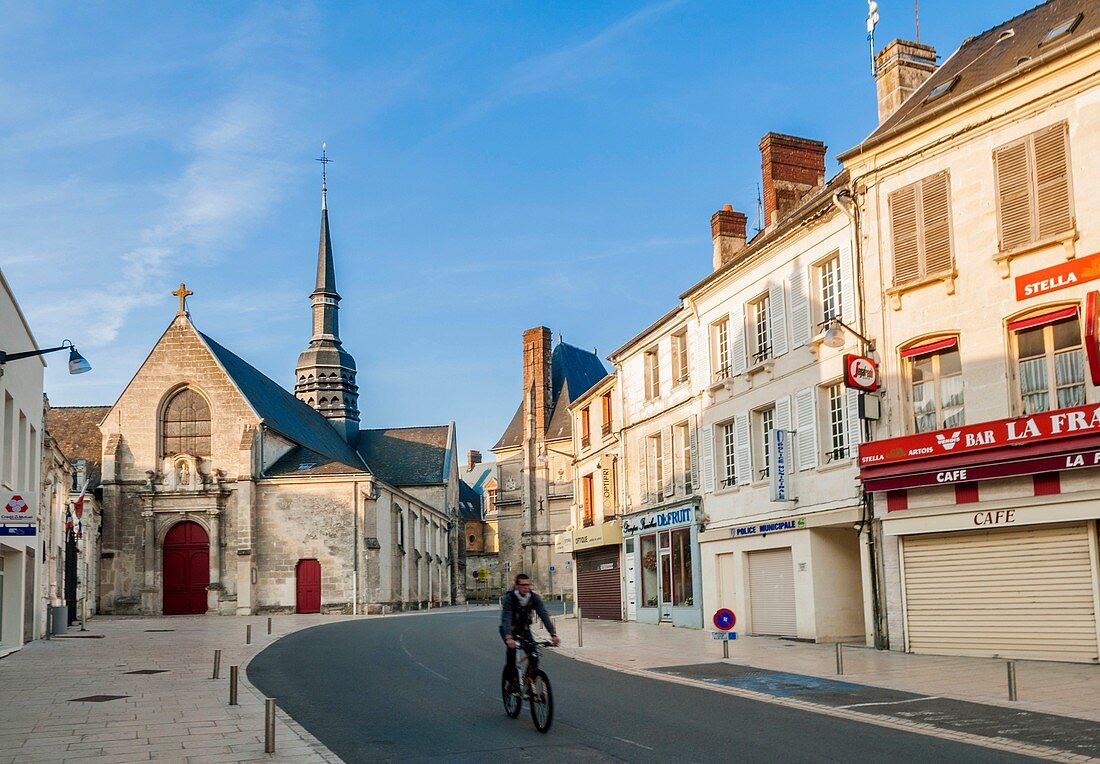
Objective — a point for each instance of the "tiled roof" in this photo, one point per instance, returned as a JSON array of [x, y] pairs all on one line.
[[281, 411], [469, 502], [76, 430], [991, 58], [407, 456]]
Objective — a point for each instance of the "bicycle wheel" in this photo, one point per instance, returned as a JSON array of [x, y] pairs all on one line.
[[542, 701], [510, 694]]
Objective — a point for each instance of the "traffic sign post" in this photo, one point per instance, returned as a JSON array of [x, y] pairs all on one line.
[[724, 620]]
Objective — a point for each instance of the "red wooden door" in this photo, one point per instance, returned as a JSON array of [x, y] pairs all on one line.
[[309, 586], [186, 569]]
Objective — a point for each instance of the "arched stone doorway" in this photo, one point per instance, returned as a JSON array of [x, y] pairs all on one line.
[[186, 569]]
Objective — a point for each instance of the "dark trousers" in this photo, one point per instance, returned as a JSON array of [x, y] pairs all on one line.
[[528, 646]]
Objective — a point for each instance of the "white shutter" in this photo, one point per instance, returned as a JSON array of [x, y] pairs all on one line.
[[806, 438], [801, 326], [855, 428], [708, 459], [847, 285], [737, 332], [702, 356], [777, 319], [742, 449], [643, 472], [692, 471], [669, 487], [771, 593]]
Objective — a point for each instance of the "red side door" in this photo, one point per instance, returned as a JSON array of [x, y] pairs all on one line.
[[186, 569], [309, 586]]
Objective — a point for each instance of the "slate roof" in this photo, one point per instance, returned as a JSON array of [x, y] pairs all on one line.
[[989, 59], [281, 411], [469, 502], [573, 371], [301, 461], [479, 475], [76, 430], [407, 456]]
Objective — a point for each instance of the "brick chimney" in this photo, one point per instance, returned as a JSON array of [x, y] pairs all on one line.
[[792, 167], [901, 68], [473, 458], [727, 228], [537, 347]]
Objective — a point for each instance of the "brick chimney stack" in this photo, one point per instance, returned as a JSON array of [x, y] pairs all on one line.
[[537, 348], [727, 228], [901, 68], [473, 458], [792, 167]]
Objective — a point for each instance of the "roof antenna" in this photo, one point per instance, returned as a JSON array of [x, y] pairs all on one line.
[[324, 160], [916, 17], [872, 20], [759, 209]]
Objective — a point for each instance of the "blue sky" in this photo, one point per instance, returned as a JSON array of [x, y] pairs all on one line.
[[496, 167]]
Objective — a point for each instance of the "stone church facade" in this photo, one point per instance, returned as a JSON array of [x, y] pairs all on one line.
[[222, 492]]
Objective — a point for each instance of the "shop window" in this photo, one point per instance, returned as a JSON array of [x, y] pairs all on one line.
[[934, 371], [1050, 361], [720, 348], [681, 567], [680, 357], [648, 547]]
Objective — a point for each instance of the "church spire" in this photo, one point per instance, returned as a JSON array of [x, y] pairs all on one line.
[[325, 374]]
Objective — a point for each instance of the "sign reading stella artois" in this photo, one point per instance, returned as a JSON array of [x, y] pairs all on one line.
[[1049, 425]]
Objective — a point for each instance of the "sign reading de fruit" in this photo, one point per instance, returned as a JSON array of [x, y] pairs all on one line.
[[16, 507], [661, 519], [1049, 425], [1061, 276]]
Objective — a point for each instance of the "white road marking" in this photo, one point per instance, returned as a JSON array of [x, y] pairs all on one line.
[[401, 641], [891, 702], [631, 742]]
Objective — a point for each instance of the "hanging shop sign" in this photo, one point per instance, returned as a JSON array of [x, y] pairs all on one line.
[[780, 473], [860, 373], [598, 535], [1092, 335], [17, 507], [659, 520], [607, 481], [1061, 276]]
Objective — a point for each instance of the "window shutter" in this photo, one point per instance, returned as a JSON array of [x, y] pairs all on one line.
[[855, 430], [737, 332], [742, 449], [692, 474], [806, 426], [1053, 198], [903, 231], [669, 487], [935, 203], [708, 459], [1014, 210], [702, 356], [643, 472], [801, 326], [783, 413], [777, 319], [847, 285]]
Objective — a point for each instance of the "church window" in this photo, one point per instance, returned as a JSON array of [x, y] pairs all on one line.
[[187, 424]]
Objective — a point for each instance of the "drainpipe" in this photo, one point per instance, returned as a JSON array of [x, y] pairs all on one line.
[[355, 548]]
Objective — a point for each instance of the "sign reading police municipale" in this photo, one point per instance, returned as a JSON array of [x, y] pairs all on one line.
[[1049, 425]]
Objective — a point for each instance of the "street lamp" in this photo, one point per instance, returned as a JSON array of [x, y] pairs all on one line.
[[78, 364], [834, 337]]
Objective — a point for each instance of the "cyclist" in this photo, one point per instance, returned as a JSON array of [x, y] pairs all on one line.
[[518, 608]]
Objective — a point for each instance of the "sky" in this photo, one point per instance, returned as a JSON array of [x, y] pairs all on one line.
[[496, 166]]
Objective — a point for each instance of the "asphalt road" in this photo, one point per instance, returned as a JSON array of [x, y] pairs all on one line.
[[422, 688]]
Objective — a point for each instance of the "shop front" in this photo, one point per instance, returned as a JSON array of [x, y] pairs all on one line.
[[597, 552], [990, 536], [661, 554]]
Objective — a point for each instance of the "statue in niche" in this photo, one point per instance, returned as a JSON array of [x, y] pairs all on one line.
[[185, 475]]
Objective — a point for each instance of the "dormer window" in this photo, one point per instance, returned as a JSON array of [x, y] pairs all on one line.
[[942, 89], [1061, 30]]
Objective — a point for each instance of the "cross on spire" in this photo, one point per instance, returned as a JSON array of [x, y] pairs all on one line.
[[324, 160], [183, 293]]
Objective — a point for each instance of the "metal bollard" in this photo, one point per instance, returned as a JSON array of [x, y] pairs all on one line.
[[269, 624], [269, 725], [217, 664], [580, 628], [839, 658], [233, 685], [248, 634], [1011, 680], [725, 648]]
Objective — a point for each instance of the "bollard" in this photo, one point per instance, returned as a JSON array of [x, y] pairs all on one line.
[[269, 624], [580, 630], [233, 685], [1011, 680], [217, 664], [248, 634], [725, 648], [269, 725], [839, 658]]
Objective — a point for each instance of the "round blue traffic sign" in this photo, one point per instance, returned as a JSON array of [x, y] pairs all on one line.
[[724, 619]]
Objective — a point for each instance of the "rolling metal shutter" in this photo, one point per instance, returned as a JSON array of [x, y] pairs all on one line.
[[1020, 593], [599, 586], [771, 592]]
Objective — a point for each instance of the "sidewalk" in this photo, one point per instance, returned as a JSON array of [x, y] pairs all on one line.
[[179, 714]]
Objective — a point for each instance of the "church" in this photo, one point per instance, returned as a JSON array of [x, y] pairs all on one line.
[[224, 493]]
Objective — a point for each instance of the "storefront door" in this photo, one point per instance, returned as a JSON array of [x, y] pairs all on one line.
[[666, 577], [631, 582]]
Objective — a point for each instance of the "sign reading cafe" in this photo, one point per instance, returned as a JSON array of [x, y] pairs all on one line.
[[660, 520]]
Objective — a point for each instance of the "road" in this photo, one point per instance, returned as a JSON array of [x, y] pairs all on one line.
[[427, 688]]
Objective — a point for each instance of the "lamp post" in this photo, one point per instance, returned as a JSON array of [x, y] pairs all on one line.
[[834, 337], [77, 363]]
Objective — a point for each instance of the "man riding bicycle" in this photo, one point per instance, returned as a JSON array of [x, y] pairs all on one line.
[[518, 608]]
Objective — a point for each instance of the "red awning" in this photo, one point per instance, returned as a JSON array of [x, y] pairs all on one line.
[[931, 347], [1041, 320]]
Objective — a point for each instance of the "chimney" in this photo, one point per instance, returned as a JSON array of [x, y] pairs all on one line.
[[727, 228], [901, 68], [537, 347], [792, 168], [473, 458]]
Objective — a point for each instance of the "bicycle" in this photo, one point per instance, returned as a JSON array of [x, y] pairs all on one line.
[[540, 698]]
